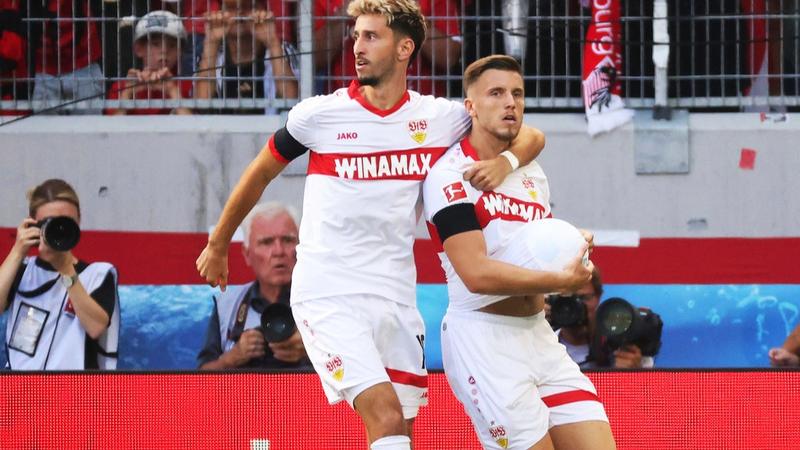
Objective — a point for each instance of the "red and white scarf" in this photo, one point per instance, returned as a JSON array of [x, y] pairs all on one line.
[[602, 66]]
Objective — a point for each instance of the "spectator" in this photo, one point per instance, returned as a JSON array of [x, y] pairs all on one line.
[[64, 312], [789, 354], [549, 48], [68, 54], [270, 238], [157, 43], [440, 52], [578, 339], [253, 62], [13, 53]]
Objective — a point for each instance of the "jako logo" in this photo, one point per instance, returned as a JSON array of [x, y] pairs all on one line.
[[347, 136]]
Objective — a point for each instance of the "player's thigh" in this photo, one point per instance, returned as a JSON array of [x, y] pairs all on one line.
[[487, 366], [546, 443], [588, 435]]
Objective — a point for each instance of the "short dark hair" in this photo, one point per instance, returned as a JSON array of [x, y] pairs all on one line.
[[498, 62], [402, 16]]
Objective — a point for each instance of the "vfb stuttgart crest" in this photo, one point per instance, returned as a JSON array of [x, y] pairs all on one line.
[[527, 183], [336, 367], [418, 130], [498, 433]]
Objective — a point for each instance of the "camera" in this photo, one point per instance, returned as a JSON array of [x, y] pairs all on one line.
[[620, 323], [277, 322], [61, 233], [566, 311]]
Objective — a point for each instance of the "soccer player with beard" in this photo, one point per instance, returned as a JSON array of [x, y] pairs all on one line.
[[354, 286]]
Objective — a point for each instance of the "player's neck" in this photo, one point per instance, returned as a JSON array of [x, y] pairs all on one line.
[[387, 93], [486, 145]]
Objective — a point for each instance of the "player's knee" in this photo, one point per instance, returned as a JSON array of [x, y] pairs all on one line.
[[388, 422]]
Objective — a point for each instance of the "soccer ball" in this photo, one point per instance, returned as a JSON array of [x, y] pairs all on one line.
[[549, 244]]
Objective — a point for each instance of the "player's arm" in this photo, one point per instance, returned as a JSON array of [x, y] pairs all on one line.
[[465, 246], [213, 261], [487, 175]]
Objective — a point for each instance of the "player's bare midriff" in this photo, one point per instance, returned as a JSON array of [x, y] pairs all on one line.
[[522, 306]]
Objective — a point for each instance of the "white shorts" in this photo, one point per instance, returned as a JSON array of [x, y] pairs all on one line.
[[358, 341], [513, 377]]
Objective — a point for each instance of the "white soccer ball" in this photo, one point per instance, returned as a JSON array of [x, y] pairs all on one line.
[[550, 244]]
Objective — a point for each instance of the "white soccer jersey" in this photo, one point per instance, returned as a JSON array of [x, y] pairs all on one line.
[[523, 196], [362, 190]]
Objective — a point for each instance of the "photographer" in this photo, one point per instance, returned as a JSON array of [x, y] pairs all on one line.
[[582, 341], [235, 336], [64, 312]]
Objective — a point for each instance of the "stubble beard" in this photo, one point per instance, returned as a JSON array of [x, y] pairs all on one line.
[[369, 81]]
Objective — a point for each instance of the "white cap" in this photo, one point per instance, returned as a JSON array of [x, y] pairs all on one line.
[[159, 22]]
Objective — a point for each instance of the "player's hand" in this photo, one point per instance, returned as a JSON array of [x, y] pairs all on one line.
[[589, 237], [291, 350], [628, 357], [28, 235], [576, 274], [780, 357], [487, 175], [212, 265], [251, 345]]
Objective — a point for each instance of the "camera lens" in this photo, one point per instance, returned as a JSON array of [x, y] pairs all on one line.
[[617, 319], [277, 322], [622, 323], [60, 233]]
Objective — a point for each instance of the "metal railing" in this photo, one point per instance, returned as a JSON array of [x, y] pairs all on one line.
[[726, 55]]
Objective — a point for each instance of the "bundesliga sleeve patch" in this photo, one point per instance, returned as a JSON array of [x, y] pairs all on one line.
[[454, 192]]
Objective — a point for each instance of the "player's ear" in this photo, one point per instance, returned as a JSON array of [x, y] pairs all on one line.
[[469, 106], [405, 47]]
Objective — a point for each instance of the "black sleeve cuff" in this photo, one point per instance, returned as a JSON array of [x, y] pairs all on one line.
[[287, 146], [455, 219]]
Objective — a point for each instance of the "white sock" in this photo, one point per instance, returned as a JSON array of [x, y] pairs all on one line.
[[392, 443]]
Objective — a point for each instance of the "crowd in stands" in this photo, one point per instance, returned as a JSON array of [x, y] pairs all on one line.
[[60, 51]]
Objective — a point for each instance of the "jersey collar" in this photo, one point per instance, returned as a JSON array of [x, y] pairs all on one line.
[[355, 94], [468, 149]]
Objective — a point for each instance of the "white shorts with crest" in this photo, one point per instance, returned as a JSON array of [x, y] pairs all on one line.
[[358, 341], [513, 377]]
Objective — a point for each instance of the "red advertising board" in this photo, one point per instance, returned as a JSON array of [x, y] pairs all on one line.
[[650, 409]]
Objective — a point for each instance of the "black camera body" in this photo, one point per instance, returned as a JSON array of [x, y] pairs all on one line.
[[620, 323], [277, 322], [566, 311], [61, 233]]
